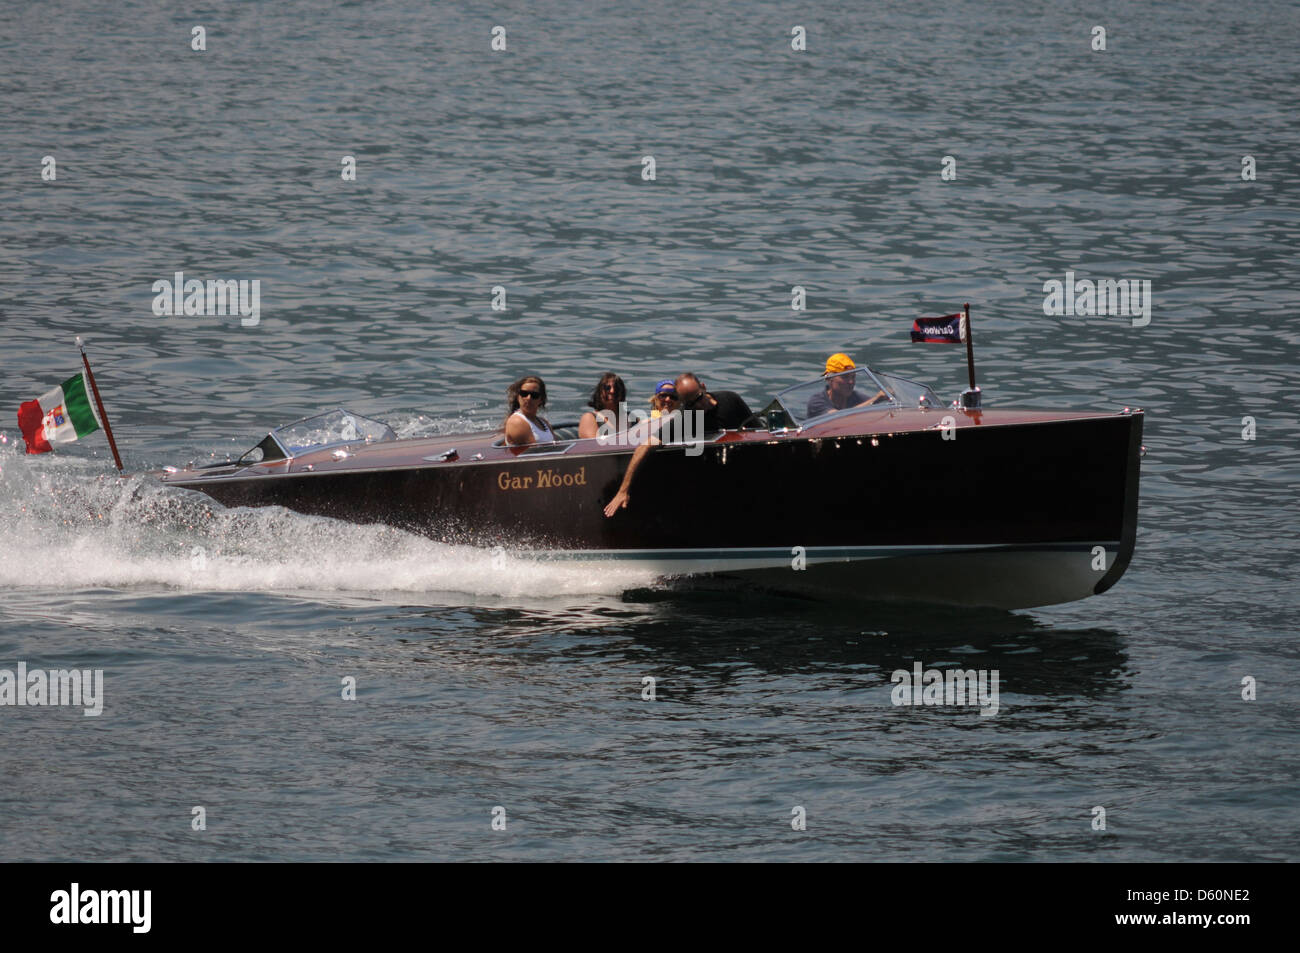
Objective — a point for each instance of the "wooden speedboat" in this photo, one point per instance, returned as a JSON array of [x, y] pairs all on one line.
[[902, 499]]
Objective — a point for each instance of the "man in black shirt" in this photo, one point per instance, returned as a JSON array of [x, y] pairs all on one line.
[[723, 409]]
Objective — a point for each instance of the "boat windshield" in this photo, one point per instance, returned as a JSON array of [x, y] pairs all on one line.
[[853, 389], [906, 392], [327, 430]]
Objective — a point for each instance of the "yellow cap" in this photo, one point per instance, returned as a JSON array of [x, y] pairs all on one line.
[[839, 362]]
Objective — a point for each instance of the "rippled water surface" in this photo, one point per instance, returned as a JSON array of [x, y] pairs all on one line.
[[521, 686]]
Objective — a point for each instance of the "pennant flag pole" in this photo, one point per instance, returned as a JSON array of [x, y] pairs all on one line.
[[970, 350], [103, 416]]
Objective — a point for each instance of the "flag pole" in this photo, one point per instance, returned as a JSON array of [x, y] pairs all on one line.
[[970, 349], [99, 404], [970, 399]]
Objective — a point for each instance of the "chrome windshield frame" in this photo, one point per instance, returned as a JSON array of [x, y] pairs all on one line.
[[279, 443]]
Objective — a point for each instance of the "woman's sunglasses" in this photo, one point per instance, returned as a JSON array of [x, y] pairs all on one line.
[[530, 394]]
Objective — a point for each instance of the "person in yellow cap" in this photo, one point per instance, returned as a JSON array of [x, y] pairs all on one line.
[[840, 392]]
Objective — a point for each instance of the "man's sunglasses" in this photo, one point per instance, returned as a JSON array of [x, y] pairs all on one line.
[[531, 394]]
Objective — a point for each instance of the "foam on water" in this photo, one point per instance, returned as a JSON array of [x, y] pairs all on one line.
[[65, 523]]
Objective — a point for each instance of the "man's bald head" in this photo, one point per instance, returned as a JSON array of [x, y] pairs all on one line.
[[688, 387]]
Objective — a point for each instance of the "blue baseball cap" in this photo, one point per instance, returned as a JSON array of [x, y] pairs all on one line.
[[664, 386]]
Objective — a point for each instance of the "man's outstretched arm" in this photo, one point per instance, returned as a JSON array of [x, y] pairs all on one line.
[[621, 498]]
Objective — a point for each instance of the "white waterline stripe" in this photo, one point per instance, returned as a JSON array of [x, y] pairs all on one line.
[[784, 552]]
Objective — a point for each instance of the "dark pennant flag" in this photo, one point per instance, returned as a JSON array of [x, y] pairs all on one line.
[[949, 329]]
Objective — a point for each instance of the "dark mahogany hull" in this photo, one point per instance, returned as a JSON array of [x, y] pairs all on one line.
[[1008, 513]]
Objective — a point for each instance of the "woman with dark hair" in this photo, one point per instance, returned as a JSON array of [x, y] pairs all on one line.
[[609, 393], [523, 425]]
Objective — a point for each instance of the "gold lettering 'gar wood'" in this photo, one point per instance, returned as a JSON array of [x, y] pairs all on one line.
[[545, 479]]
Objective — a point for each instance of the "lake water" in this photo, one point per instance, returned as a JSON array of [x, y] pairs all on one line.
[[224, 635]]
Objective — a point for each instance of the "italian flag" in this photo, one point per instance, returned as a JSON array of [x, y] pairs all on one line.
[[61, 416]]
